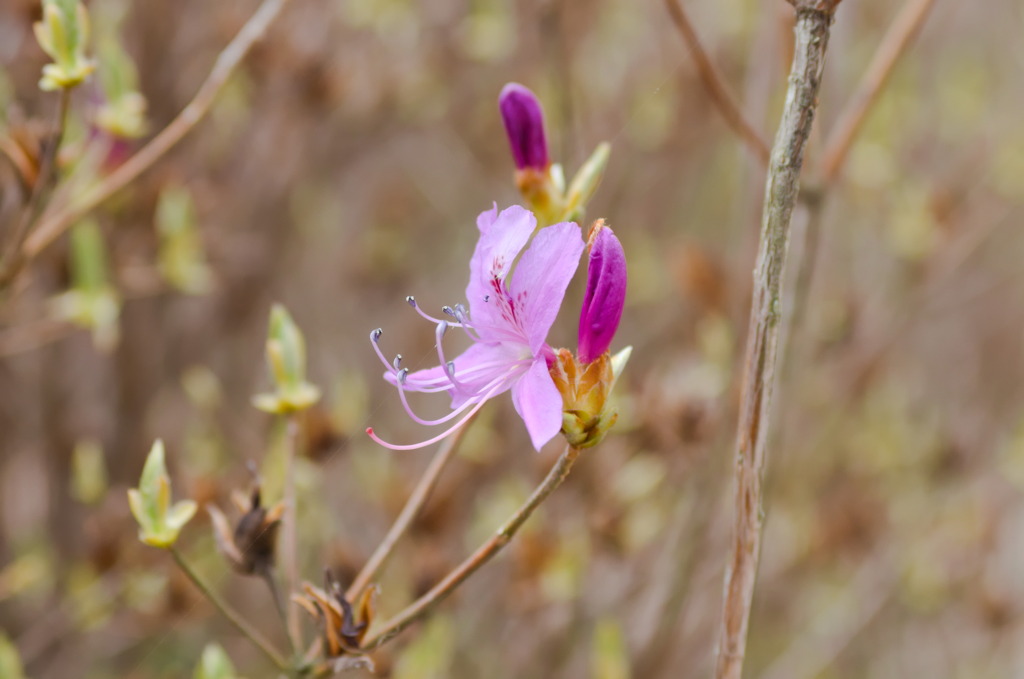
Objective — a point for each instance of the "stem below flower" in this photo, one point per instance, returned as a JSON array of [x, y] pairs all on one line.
[[412, 507], [233, 616], [482, 555]]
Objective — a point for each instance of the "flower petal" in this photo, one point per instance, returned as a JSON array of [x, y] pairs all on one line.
[[524, 123], [475, 369], [605, 295], [541, 277], [501, 240], [539, 404]]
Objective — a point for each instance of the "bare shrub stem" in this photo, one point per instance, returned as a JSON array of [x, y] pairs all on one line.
[[813, 22], [482, 555], [56, 221], [231, 614], [412, 507], [713, 82]]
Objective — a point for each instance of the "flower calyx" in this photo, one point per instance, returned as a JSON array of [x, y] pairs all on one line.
[[587, 414]]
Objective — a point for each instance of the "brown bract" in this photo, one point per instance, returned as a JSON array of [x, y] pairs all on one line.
[[342, 626], [250, 547]]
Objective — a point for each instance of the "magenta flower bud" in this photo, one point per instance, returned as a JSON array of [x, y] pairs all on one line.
[[524, 123], [605, 295]]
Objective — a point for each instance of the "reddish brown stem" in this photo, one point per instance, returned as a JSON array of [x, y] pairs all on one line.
[[715, 85], [903, 29], [412, 507], [482, 555]]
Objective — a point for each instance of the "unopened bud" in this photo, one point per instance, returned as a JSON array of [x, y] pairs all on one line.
[[63, 34], [286, 356], [524, 123], [159, 521], [605, 294]]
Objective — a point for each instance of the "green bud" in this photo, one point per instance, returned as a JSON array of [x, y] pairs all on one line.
[[286, 357], [214, 664], [585, 182], [92, 303], [88, 473], [181, 259], [159, 521], [63, 34], [123, 114], [10, 661]]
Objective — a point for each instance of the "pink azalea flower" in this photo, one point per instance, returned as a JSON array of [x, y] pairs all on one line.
[[508, 319]]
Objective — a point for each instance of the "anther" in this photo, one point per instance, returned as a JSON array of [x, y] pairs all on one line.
[[397, 362], [450, 366], [402, 374], [375, 335], [411, 300], [448, 310]]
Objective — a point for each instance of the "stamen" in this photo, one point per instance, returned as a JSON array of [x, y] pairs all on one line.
[[442, 328], [375, 341], [485, 392], [412, 302], [448, 310], [397, 362], [423, 444]]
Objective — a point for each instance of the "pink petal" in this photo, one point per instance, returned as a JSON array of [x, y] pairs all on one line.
[[542, 276], [539, 404], [502, 238]]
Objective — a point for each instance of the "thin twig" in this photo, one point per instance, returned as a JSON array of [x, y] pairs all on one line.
[[47, 173], [482, 555], [893, 45], [289, 529], [55, 223], [412, 507], [813, 21], [715, 85], [237, 620], [902, 31], [275, 593]]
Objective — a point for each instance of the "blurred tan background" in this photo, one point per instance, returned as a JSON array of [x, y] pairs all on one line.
[[343, 169]]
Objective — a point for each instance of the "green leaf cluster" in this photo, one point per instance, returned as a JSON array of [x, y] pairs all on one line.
[[159, 521]]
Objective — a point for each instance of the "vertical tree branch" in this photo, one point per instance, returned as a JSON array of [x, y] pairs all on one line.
[[715, 85], [813, 21]]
